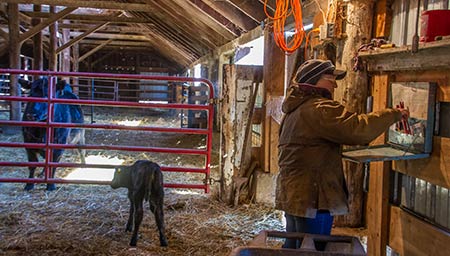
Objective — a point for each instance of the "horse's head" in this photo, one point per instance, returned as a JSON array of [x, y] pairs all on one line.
[[39, 88], [62, 87]]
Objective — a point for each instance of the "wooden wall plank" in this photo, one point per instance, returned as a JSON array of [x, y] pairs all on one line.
[[378, 196], [274, 70], [377, 209], [431, 56], [441, 77], [383, 19], [435, 169], [412, 236]]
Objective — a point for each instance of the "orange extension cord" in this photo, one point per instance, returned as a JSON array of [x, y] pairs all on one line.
[[279, 20]]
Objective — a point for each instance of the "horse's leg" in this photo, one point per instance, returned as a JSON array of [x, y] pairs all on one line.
[[77, 137], [57, 154], [32, 157], [81, 141]]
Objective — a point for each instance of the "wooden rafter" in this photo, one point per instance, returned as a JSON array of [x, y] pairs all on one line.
[[180, 30], [189, 8], [111, 36], [117, 42], [108, 29], [111, 5], [196, 32], [89, 53], [217, 17], [232, 13], [45, 23], [89, 17], [253, 8], [80, 37]]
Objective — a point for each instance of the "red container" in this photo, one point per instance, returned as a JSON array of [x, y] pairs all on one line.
[[434, 23]]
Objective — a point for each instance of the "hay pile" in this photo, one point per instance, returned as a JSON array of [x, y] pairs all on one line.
[[90, 220]]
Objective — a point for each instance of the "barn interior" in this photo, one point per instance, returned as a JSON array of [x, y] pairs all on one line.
[[213, 116]]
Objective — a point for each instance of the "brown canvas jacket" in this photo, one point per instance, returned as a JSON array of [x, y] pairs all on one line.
[[311, 135]]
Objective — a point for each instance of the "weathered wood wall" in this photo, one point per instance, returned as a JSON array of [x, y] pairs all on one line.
[[388, 225], [274, 84], [237, 106]]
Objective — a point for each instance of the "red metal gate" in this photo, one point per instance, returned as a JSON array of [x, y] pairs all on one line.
[[50, 125]]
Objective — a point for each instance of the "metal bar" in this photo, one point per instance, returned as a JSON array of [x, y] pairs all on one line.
[[97, 182], [109, 166], [106, 147], [105, 126], [50, 125], [109, 103]]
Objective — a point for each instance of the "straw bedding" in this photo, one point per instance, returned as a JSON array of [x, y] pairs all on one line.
[[90, 219]]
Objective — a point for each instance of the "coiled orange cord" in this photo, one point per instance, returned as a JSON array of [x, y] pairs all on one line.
[[279, 19], [307, 41]]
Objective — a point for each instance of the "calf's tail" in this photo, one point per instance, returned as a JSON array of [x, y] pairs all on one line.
[[148, 188]]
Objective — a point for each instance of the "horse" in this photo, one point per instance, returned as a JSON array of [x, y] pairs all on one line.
[[63, 113]]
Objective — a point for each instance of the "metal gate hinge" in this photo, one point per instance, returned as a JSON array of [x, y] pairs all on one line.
[[211, 181], [215, 101]]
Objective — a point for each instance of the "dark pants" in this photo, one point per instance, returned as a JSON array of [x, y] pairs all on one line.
[[320, 225]]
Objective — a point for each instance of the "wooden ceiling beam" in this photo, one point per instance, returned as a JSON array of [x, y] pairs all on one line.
[[82, 17], [116, 42], [233, 14], [92, 51], [183, 42], [45, 23], [217, 17], [108, 29], [271, 5], [253, 8], [194, 31], [169, 49], [80, 37], [111, 5], [198, 16], [111, 36]]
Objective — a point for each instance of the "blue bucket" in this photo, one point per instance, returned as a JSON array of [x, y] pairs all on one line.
[[321, 225]]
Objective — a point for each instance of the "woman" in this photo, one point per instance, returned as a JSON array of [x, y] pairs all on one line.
[[311, 188]]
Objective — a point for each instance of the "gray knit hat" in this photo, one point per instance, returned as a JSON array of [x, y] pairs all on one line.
[[311, 71]]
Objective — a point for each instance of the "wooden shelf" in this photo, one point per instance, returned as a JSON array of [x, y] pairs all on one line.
[[431, 55]]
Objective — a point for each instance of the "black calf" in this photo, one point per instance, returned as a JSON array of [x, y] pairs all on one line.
[[144, 180]]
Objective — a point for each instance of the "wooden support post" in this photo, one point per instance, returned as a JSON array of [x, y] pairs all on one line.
[[65, 53], [378, 197], [75, 66], [52, 57], [352, 93], [14, 58], [274, 74], [38, 54]]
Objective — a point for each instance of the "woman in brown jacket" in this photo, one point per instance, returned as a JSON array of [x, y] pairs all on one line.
[[311, 188]]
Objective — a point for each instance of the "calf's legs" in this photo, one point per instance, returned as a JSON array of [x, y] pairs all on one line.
[[137, 212], [137, 209], [159, 218]]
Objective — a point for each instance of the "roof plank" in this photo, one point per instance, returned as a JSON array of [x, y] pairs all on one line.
[[112, 5]]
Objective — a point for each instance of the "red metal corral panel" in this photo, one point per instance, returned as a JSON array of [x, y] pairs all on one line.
[[50, 125]]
